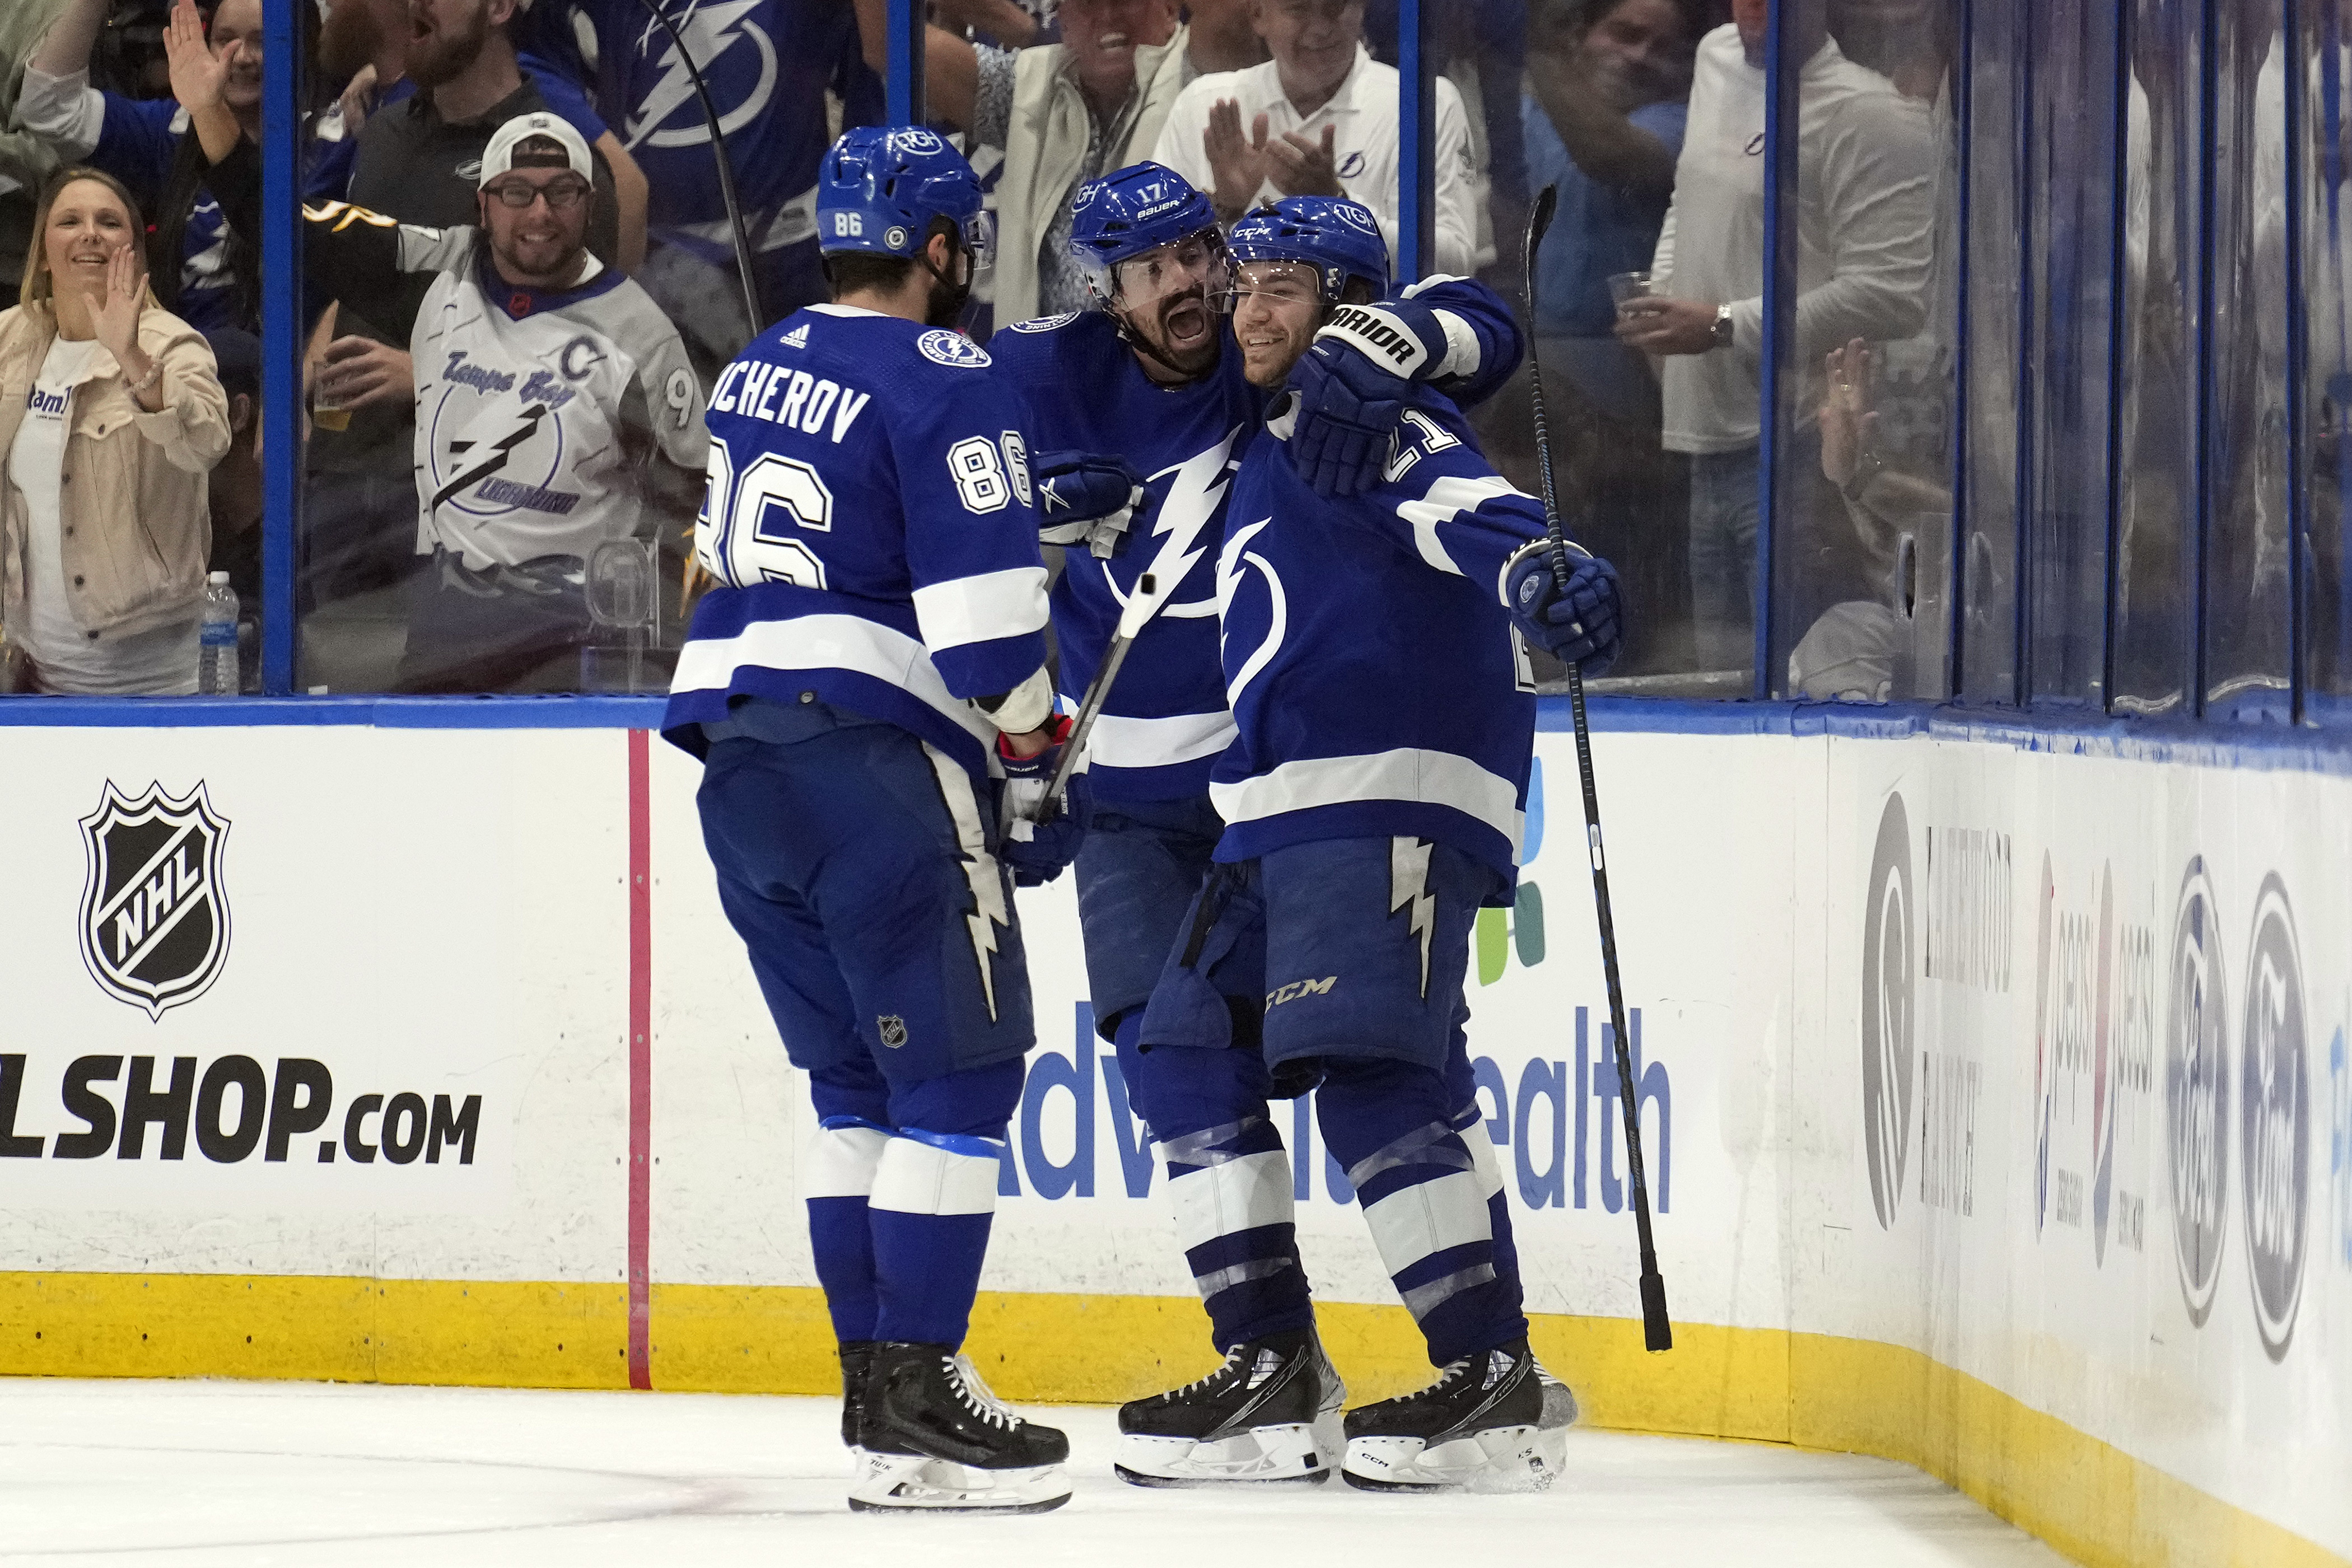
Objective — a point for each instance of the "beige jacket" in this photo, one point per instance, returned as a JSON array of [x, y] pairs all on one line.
[[137, 528], [1045, 148]]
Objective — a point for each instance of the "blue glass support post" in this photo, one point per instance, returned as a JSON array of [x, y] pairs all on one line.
[[1956, 565], [2028, 166], [281, 337], [904, 83], [1416, 145], [1780, 139], [2202, 466], [2118, 274], [2298, 363]]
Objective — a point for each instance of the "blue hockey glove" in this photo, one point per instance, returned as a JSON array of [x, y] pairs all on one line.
[[1086, 499], [1580, 624], [1351, 386], [1038, 850]]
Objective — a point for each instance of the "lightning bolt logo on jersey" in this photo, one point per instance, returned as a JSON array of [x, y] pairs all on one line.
[[1379, 687], [869, 515], [768, 65], [524, 403]]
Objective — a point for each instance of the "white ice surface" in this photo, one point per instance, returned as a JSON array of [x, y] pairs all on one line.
[[185, 1473]]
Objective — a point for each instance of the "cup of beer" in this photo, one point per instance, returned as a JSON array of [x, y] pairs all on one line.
[[1626, 287], [328, 410]]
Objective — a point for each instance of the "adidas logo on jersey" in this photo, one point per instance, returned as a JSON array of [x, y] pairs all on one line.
[[798, 337]]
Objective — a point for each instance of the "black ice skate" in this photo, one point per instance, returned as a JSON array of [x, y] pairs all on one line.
[[1493, 1422], [856, 1365], [935, 1437], [1270, 1414]]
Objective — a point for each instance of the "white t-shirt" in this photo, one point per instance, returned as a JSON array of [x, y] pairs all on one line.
[[67, 658], [1364, 145], [1866, 229]]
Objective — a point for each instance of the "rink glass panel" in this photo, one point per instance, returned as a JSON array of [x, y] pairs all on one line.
[[2119, 417], [1866, 311]]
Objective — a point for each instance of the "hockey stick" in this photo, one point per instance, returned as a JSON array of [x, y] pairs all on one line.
[[1657, 1333], [1140, 605], [726, 170]]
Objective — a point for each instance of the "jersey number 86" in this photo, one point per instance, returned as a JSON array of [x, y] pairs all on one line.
[[749, 530]]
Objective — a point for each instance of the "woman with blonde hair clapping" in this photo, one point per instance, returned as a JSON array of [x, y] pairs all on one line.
[[111, 417]]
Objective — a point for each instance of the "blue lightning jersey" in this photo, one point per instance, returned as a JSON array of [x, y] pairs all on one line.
[[869, 520], [1165, 721], [1376, 681], [768, 64]]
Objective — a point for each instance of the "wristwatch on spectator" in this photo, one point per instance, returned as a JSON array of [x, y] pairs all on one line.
[[1720, 332]]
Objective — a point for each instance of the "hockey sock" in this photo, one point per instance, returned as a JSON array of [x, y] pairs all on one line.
[[1471, 1124], [838, 1181], [934, 1197], [1390, 1125], [1229, 1181]]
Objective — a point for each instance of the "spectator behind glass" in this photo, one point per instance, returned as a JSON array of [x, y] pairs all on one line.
[[206, 274], [102, 580], [1866, 160], [1063, 113], [770, 66], [234, 487], [561, 415], [1604, 121], [1320, 119]]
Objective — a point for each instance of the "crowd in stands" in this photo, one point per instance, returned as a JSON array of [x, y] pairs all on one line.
[[498, 190]]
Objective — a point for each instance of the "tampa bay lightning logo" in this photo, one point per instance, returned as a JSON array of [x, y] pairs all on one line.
[[941, 346], [745, 74], [1353, 166], [1046, 323], [1356, 217], [1230, 578]]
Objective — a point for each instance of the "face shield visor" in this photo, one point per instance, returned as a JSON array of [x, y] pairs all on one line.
[[1198, 262], [1285, 287], [979, 232]]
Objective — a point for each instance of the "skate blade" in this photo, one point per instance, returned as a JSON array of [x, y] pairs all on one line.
[[1262, 1455], [1501, 1460], [912, 1483]]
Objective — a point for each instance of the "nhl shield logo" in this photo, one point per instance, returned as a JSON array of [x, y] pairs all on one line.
[[154, 920]]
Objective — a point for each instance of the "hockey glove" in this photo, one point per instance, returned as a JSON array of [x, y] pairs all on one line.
[[1084, 498], [1351, 384], [1036, 851], [1579, 624]]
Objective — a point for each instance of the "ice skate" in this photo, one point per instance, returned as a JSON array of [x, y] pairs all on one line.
[[1270, 1414], [856, 1365], [1493, 1422], [935, 1438]]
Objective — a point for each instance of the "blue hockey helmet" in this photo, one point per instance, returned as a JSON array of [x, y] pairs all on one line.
[[1130, 211], [881, 186], [1338, 238]]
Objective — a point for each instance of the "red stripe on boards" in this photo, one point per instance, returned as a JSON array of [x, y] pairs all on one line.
[[641, 1060]]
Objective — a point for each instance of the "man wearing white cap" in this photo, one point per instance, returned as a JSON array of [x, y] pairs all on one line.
[[555, 408]]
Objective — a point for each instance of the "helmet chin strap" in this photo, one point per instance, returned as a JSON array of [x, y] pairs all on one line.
[[958, 294]]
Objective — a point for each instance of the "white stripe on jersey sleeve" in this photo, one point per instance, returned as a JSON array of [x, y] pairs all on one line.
[[1431, 778], [1122, 742], [981, 608], [828, 642], [1448, 497]]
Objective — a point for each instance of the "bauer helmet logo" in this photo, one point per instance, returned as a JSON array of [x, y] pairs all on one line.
[[2196, 1093], [1887, 949], [2275, 1118], [154, 919]]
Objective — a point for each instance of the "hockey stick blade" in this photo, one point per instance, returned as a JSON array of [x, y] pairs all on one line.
[[1658, 1328], [1139, 607]]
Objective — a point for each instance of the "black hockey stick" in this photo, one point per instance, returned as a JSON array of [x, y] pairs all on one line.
[[1140, 605], [726, 170], [1657, 1333]]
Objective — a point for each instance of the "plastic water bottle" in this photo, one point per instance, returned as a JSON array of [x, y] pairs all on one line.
[[217, 671]]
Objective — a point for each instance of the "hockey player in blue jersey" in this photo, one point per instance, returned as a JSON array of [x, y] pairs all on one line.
[[1151, 375], [1374, 796], [869, 669]]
